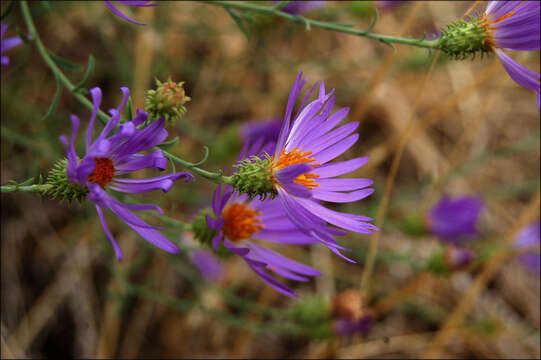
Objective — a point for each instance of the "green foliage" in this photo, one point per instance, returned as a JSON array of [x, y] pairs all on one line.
[[254, 177]]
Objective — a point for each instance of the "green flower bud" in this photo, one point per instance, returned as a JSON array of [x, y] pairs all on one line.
[[463, 38], [167, 100], [254, 177], [200, 229], [61, 187]]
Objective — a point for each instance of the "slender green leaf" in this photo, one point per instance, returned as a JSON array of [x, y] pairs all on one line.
[[66, 64], [238, 21], [56, 99], [129, 109], [88, 74]]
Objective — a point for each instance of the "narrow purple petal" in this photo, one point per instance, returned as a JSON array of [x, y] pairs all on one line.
[[119, 13], [118, 250], [163, 183], [95, 92], [336, 150], [339, 168], [338, 197]]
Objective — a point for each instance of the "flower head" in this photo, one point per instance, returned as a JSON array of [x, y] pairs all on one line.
[[239, 222], [454, 219], [6, 44], [167, 100], [109, 156], [349, 315], [505, 25], [529, 237], [141, 3], [514, 25], [301, 172], [300, 7]]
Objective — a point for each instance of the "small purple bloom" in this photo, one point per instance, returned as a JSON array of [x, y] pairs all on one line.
[[140, 3], [388, 4], [514, 25], [454, 219], [6, 44], [208, 265], [238, 220], [458, 258], [110, 156], [346, 327], [529, 237], [304, 174], [301, 7]]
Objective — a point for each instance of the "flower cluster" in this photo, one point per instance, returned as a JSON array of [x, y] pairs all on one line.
[[109, 156]]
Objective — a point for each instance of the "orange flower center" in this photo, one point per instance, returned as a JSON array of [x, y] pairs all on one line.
[[103, 173], [296, 156], [240, 222]]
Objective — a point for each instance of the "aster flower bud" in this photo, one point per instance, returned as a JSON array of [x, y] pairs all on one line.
[[254, 177], [61, 187], [465, 37], [167, 101]]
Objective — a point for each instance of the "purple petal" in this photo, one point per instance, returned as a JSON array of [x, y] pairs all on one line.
[[336, 150], [338, 197], [119, 13], [332, 137], [339, 168], [95, 92], [284, 132], [343, 184], [163, 183], [136, 162], [118, 250], [520, 74]]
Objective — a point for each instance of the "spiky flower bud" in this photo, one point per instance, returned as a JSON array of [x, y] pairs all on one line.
[[166, 100], [465, 37], [61, 187], [254, 177]]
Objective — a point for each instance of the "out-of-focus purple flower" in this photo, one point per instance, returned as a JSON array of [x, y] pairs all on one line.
[[208, 264], [347, 327], [458, 258], [529, 237], [109, 156], [6, 44], [238, 220], [300, 7], [140, 3], [388, 4], [454, 219], [303, 173], [514, 25], [266, 131], [349, 315]]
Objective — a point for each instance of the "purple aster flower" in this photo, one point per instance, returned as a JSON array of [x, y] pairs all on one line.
[[110, 156], [208, 264], [388, 4], [303, 174], [346, 327], [301, 7], [529, 237], [141, 3], [6, 44], [514, 25], [239, 220], [458, 258], [454, 219]]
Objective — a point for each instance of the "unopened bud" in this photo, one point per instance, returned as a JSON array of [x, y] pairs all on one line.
[[167, 101]]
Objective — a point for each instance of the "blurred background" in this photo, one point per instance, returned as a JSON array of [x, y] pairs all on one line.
[[477, 134]]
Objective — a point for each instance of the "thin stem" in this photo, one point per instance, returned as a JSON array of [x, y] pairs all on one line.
[[104, 118], [26, 188], [432, 44]]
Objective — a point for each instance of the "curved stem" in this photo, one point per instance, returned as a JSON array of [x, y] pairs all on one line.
[[104, 118], [26, 188], [268, 10]]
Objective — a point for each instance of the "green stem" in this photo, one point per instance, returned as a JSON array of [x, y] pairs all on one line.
[[215, 177], [432, 44], [26, 188]]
